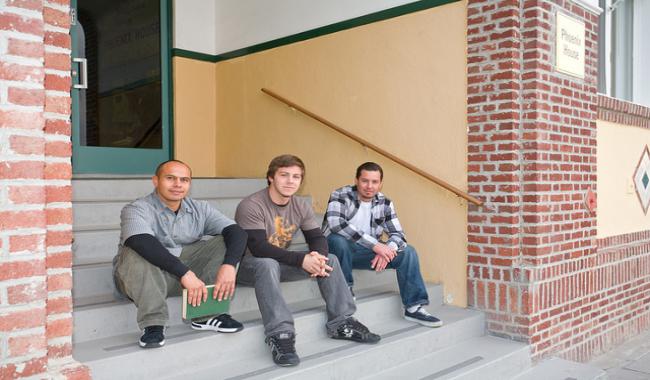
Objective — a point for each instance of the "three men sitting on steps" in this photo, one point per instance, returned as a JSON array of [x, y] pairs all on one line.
[[161, 250]]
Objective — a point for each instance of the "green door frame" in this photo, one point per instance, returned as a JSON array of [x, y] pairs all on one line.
[[108, 160]]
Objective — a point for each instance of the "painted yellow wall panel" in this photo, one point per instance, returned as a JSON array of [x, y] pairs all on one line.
[[195, 115], [400, 84], [619, 150]]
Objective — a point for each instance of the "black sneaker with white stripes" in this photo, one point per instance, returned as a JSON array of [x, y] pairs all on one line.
[[222, 323]]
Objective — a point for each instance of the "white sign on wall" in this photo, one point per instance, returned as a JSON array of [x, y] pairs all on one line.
[[570, 45]]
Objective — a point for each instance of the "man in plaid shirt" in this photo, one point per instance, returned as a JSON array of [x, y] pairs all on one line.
[[356, 219]]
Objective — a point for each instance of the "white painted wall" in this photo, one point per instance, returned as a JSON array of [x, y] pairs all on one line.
[[195, 25], [641, 53], [220, 26]]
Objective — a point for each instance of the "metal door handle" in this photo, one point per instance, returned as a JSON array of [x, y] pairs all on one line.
[[83, 68]]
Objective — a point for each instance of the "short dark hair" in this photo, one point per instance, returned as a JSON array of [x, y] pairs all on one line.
[[370, 167], [284, 161], [162, 164]]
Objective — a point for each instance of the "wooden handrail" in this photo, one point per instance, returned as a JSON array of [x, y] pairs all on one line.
[[377, 149]]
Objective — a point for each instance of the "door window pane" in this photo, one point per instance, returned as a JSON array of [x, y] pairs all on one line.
[[123, 100]]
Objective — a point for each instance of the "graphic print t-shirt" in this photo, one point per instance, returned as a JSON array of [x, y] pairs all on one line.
[[258, 212]]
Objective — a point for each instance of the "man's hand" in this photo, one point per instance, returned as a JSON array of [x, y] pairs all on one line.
[[224, 284], [196, 290], [378, 263], [316, 265], [386, 252]]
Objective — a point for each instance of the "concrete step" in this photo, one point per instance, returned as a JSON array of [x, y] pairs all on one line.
[[99, 216], [206, 355], [324, 358], [556, 368], [92, 278], [96, 224], [97, 204], [128, 189], [480, 358], [98, 247], [102, 317]]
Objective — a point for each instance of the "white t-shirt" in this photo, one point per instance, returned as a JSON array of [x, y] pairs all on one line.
[[361, 219]]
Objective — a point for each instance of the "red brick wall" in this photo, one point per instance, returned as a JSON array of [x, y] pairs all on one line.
[[623, 112], [532, 158], [623, 299], [35, 191]]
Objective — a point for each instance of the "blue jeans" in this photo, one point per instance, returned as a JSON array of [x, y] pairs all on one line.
[[354, 256]]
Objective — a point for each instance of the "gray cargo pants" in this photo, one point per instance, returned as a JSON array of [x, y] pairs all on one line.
[[149, 286], [266, 274]]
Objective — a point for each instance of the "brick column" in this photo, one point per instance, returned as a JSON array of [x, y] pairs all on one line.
[[532, 158], [35, 191]]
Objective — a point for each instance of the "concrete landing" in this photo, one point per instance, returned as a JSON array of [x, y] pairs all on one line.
[[560, 369], [629, 361]]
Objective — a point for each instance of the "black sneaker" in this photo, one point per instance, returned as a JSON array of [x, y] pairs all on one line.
[[354, 330], [153, 337], [422, 317], [283, 349], [221, 323]]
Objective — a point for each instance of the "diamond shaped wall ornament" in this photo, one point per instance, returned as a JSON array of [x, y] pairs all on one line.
[[642, 180]]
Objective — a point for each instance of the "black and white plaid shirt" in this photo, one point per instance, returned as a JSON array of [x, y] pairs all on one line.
[[344, 204]]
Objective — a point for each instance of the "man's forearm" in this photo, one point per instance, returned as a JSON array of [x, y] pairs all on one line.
[[236, 239], [316, 241], [154, 252], [260, 247], [339, 225]]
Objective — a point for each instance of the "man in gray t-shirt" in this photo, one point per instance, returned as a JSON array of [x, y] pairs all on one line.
[[161, 251], [271, 217]]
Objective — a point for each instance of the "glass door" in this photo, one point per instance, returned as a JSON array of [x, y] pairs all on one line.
[[121, 77]]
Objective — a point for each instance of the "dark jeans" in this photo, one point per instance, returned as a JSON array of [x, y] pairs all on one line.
[[354, 256]]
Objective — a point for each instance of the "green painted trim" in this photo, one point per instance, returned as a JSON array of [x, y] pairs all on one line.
[[168, 105], [397, 11], [194, 55]]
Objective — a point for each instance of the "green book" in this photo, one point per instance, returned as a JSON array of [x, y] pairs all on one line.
[[209, 307]]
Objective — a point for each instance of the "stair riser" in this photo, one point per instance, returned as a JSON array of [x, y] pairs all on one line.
[[100, 322], [362, 360], [387, 355], [356, 364], [309, 326], [106, 215], [92, 190]]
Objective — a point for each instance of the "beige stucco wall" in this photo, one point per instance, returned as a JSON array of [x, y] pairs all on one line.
[[619, 150], [195, 117], [399, 83]]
